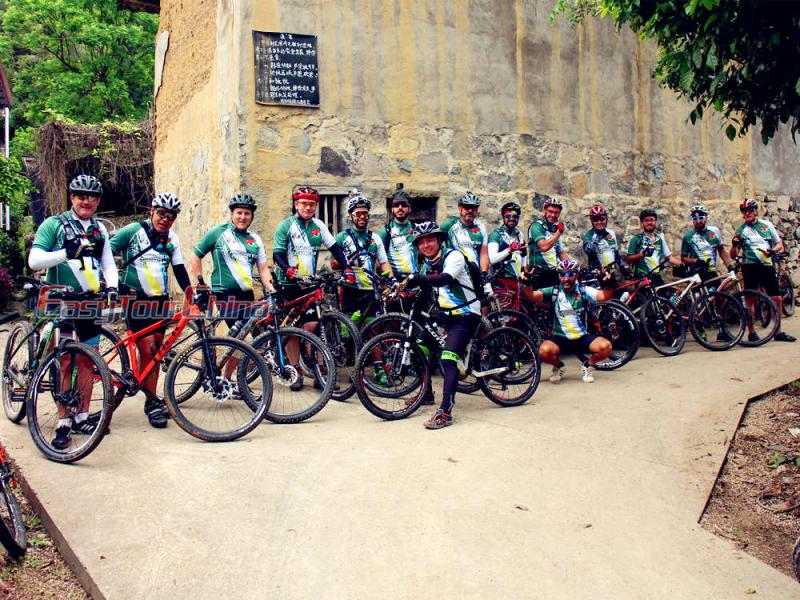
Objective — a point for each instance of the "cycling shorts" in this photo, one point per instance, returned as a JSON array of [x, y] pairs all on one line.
[[145, 311], [761, 276], [580, 345], [233, 305]]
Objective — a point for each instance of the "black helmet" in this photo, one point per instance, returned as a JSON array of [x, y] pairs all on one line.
[[510, 206], [240, 200], [647, 212], [426, 228], [400, 194], [86, 184], [748, 204], [357, 200]]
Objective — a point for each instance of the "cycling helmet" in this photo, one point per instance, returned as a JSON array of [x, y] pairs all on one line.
[[357, 200], [598, 210], [550, 201], [426, 228], [698, 209], [241, 200], [510, 206], [647, 212], [469, 199], [567, 264], [306, 193], [86, 184], [747, 204], [167, 201], [400, 194]]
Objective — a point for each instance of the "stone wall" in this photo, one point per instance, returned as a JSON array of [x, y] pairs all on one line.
[[448, 97]]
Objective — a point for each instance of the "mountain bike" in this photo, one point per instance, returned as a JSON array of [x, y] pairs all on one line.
[[785, 285], [393, 373], [216, 389], [12, 528]]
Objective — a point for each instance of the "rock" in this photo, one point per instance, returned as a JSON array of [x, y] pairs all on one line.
[[434, 163], [333, 163], [405, 165], [783, 202], [268, 137]]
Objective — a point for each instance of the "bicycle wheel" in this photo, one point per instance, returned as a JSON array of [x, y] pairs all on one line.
[[509, 365], [717, 321], [18, 357], [389, 322], [518, 320], [292, 400], [190, 334], [392, 376], [786, 288], [72, 379], [616, 323], [12, 529], [467, 382], [234, 395], [343, 341], [664, 326], [761, 317]]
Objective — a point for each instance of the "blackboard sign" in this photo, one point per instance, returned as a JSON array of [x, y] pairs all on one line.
[[286, 68]]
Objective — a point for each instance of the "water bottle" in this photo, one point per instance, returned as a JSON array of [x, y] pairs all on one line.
[[624, 297], [237, 327], [44, 338]]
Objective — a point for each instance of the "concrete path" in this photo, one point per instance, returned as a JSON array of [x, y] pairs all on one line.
[[588, 491]]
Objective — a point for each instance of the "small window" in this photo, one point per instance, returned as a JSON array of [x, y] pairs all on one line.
[[423, 208]]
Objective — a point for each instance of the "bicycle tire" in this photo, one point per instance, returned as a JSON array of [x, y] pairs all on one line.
[[386, 323], [17, 363], [392, 403], [283, 409], [468, 383], [618, 325], [189, 413], [765, 314], [716, 310], [509, 317], [12, 527], [788, 300], [507, 347], [343, 341], [42, 419], [664, 326], [189, 334]]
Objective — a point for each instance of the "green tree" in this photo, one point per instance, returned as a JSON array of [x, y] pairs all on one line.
[[15, 190], [738, 57], [85, 60]]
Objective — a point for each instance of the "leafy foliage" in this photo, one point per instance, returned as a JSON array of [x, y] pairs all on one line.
[[15, 189], [81, 60], [738, 57]]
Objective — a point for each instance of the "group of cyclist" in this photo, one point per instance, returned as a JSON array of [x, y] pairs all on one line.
[[451, 261]]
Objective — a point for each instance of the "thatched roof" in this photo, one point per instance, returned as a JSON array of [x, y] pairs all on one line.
[[152, 6], [120, 155]]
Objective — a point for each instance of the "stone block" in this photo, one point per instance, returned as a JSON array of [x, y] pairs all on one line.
[[579, 185], [434, 163], [300, 142], [783, 202], [268, 137], [332, 162], [571, 157], [796, 204], [405, 165]]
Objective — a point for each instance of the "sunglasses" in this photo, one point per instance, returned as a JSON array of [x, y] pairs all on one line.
[[568, 275], [400, 204], [511, 215], [748, 210], [698, 217], [165, 214], [598, 219]]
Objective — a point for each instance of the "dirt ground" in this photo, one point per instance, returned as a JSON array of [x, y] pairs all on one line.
[[756, 501], [41, 573]]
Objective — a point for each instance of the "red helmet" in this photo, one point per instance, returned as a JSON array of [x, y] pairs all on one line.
[[553, 202], [598, 210], [747, 204], [306, 193]]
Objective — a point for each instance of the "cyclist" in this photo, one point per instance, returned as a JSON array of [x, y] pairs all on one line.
[[600, 244], [467, 234], [446, 270], [507, 249], [295, 249], [758, 240], [702, 243], [147, 249], [365, 251], [569, 301], [397, 234], [648, 247], [544, 239], [235, 252], [74, 249]]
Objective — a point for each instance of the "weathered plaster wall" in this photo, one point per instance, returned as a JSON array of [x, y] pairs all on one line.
[[448, 96]]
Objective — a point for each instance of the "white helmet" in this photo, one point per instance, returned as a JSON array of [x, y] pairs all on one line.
[[167, 201]]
